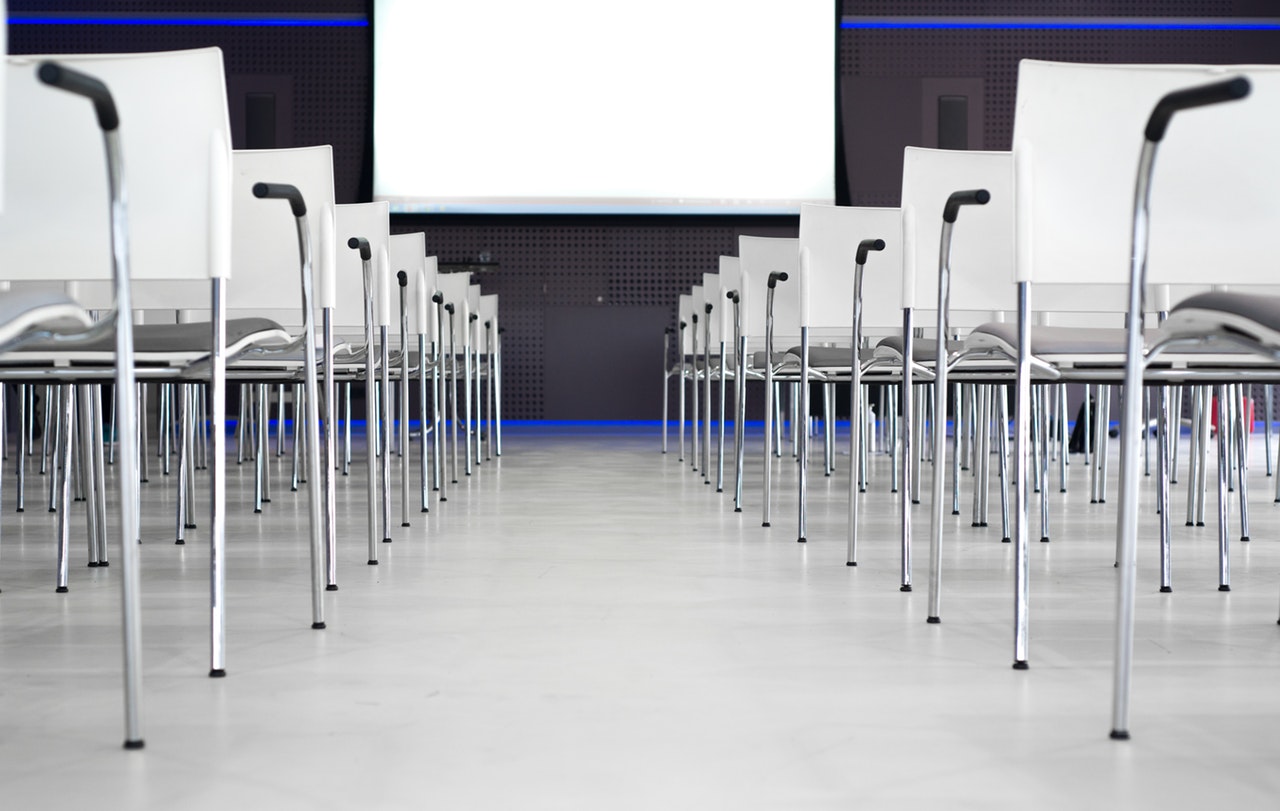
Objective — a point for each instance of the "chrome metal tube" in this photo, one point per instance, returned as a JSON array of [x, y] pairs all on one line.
[[908, 451], [1022, 488]]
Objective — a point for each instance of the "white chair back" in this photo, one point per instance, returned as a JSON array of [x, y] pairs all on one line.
[[758, 257], [370, 221], [730, 279], [455, 288], [685, 316], [982, 242], [264, 242], [713, 294], [829, 239], [176, 143], [408, 253], [1077, 139]]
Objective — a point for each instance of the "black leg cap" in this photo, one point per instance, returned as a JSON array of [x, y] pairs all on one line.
[[104, 564], [423, 510], [934, 620], [61, 590], [800, 540], [405, 524], [180, 542], [719, 489], [386, 540], [1166, 589], [1021, 665], [765, 524], [256, 511], [93, 564], [1224, 588], [737, 509], [135, 745], [855, 563], [1193, 523], [1045, 539], [331, 587], [1199, 523], [190, 526], [1244, 539], [1119, 735], [217, 673], [904, 588], [373, 563], [1006, 540], [975, 524], [317, 626]]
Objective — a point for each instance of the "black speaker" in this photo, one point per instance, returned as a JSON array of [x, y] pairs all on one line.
[[260, 120], [953, 122]]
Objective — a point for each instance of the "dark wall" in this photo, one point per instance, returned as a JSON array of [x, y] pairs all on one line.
[[309, 85]]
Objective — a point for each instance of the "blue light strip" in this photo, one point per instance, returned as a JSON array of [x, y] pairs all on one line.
[[1064, 23], [237, 20]]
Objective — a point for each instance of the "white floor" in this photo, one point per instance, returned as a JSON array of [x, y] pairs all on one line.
[[585, 624]]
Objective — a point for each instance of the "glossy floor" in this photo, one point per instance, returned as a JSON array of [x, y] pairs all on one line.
[[585, 624]]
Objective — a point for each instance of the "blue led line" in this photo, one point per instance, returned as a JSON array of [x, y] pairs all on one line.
[[301, 21], [1061, 24]]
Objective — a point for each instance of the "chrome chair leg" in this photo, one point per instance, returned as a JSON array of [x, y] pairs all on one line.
[[184, 436], [21, 456], [720, 427], [385, 420], [61, 478], [1163, 447], [1224, 502], [1242, 428], [958, 395], [1044, 465], [908, 449], [694, 411], [54, 437], [803, 478], [1002, 428], [427, 428], [84, 444], [346, 429], [280, 419], [739, 422]]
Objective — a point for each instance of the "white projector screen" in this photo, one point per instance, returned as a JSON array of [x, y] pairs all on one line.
[[583, 106]]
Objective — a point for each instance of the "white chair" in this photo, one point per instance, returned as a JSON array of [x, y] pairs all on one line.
[[409, 262], [766, 263], [363, 275], [454, 289], [839, 299], [175, 145], [1209, 202], [493, 373]]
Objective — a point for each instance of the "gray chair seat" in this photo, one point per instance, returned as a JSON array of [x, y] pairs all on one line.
[[923, 349], [830, 357], [758, 359], [1048, 340], [193, 338], [1258, 317], [22, 311]]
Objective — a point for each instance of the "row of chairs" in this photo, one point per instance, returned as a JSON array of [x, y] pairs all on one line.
[[1129, 264], [160, 224]]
